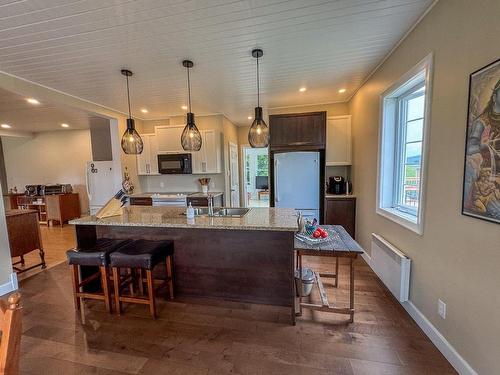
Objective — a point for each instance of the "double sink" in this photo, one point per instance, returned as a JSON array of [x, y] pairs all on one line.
[[221, 212]]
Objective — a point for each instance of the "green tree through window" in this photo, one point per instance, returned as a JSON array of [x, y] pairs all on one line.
[[262, 165]]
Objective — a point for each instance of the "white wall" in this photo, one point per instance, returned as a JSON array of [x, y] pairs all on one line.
[[49, 157]]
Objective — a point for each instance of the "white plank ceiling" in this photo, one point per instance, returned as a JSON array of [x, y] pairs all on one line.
[[79, 46], [23, 117]]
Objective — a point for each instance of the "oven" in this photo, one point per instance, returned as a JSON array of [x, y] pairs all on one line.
[[174, 164], [172, 200]]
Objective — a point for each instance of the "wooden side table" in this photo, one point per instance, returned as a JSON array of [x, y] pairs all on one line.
[[339, 245]]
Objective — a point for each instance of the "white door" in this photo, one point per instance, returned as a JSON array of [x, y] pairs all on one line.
[[234, 173]]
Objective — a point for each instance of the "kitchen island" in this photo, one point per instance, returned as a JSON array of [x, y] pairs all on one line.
[[247, 259]]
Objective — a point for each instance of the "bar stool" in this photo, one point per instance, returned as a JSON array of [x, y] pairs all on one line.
[[97, 256], [141, 255]]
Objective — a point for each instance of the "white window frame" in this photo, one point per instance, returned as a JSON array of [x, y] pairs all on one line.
[[389, 152]]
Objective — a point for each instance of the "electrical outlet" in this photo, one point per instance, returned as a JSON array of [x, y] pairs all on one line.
[[442, 309], [162, 185]]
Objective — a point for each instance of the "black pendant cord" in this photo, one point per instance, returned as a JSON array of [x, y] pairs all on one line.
[[128, 98], [189, 91], [258, 84]]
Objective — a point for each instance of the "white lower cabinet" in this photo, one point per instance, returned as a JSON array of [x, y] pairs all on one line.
[[147, 161], [208, 159]]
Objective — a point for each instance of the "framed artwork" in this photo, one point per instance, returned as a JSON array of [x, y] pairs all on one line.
[[481, 191]]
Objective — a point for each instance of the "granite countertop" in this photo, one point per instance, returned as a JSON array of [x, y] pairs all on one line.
[[266, 219], [195, 194], [339, 196]]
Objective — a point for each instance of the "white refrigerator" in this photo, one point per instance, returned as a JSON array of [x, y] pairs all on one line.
[[296, 182], [100, 180]]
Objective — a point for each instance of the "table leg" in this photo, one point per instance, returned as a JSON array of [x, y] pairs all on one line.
[[336, 272], [351, 287], [300, 284]]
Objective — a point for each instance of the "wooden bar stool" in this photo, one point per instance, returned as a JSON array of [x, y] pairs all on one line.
[[141, 255], [96, 256]]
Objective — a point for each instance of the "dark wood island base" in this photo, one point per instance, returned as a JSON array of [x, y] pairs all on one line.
[[244, 265]]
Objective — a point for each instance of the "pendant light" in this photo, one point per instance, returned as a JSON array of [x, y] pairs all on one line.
[[131, 140], [258, 135], [191, 137]]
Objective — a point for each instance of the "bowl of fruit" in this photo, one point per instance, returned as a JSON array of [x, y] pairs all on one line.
[[319, 233]]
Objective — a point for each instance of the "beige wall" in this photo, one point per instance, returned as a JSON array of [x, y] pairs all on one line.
[[457, 259], [49, 157]]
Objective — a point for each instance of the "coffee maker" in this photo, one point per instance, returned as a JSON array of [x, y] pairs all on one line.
[[337, 185]]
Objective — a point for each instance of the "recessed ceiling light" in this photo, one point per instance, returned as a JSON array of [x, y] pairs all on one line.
[[341, 91], [302, 89], [184, 107], [32, 101], [65, 125], [6, 126], [249, 117], [144, 110]]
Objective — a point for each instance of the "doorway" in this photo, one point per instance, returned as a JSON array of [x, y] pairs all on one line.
[[256, 176]]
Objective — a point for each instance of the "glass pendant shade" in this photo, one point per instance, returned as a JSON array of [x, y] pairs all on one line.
[[258, 135], [191, 136], [131, 140]]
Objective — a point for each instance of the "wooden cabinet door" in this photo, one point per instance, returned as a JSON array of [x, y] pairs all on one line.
[[211, 151], [338, 141], [341, 211], [169, 139], [144, 158], [302, 129], [153, 154], [208, 159], [53, 207]]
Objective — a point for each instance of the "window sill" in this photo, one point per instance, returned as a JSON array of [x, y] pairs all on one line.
[[406, 220]]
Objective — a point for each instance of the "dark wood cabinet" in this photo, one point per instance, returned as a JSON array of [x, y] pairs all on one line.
[[298, 130], [203, 201], [341, 211], [62, 207], [141, 201]]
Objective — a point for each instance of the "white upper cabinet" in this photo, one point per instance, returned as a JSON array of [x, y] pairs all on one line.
[[147, 161], [169, 139], [208, 159], [338, 141]]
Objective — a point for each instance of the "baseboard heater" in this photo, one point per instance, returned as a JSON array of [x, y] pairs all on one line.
[[392, 266]]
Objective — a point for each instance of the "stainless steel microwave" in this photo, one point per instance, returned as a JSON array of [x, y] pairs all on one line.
[[175, 164]]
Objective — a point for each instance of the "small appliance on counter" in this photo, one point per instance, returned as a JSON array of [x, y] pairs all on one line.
[[35, 190], [338, 185]]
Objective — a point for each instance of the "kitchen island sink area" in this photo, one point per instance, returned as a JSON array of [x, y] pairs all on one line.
[[245, 258]]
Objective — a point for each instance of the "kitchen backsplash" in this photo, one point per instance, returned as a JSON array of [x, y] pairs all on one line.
[[179, 183]]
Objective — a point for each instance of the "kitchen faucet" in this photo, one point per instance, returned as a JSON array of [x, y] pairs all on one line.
[[210, 200]]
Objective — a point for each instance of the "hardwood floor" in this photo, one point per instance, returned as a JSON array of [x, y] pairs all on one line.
[[56, 241], [197, 336]]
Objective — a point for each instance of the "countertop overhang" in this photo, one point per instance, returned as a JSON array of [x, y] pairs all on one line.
[[263, 219]]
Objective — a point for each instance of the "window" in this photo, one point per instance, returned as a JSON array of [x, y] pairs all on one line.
[[402, 148]]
